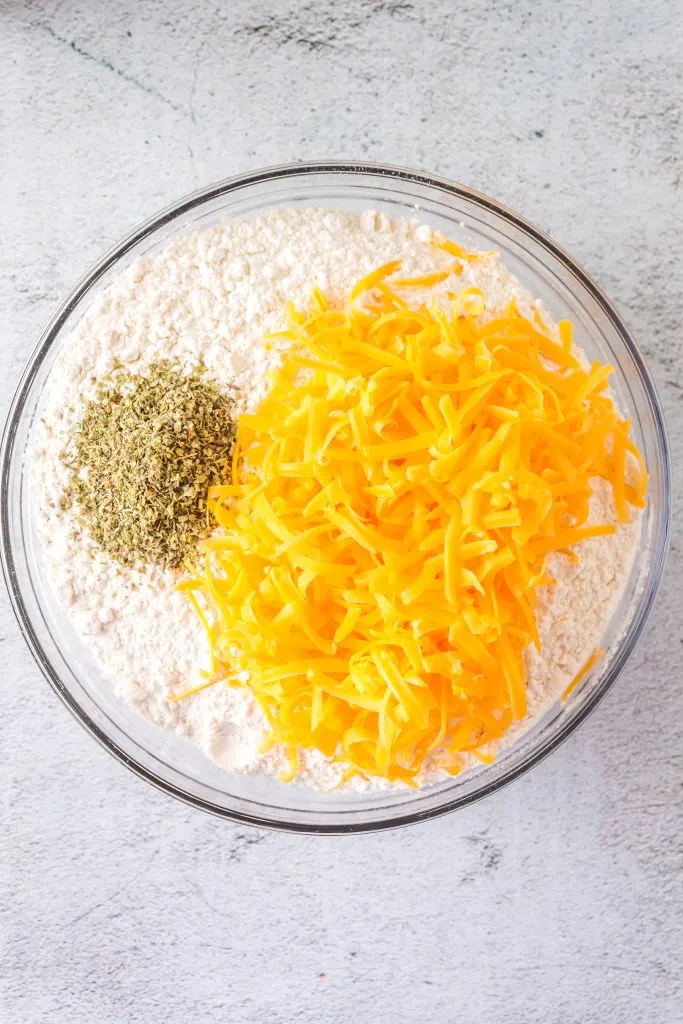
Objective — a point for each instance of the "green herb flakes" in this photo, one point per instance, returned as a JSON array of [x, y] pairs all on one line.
[[145, 452]]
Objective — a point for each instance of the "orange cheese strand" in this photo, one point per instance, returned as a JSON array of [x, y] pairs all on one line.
[[583, 672], [375, 571]]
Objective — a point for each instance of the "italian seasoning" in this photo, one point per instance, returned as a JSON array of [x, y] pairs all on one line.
[[145, 452]]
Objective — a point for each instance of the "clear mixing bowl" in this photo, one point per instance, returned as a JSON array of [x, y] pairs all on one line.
[[172, 763]]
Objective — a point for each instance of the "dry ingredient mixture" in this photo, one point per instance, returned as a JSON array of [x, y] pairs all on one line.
[[210, 298]]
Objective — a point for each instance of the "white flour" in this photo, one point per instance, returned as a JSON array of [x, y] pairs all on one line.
[[212, 295]]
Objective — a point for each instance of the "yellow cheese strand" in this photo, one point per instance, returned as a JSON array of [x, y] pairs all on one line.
[[583, 672], [403, 482]]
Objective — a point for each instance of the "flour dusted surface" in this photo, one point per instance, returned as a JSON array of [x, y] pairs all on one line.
[[211, 296]]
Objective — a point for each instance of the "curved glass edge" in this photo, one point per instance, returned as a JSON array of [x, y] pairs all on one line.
[[176, 210]]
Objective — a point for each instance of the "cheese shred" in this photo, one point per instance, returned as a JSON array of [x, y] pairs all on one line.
[[395, 496]]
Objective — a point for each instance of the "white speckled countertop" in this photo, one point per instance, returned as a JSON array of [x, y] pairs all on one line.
[[559, 899]]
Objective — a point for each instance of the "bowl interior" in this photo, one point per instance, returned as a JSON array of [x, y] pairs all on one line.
[[172, 762]]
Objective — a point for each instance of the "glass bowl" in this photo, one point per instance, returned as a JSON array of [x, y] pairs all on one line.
[[172, 763]]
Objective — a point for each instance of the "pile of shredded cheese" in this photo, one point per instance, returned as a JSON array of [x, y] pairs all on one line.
[[373, 578]]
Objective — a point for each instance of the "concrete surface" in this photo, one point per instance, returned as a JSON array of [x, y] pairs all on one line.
[[559, 899]]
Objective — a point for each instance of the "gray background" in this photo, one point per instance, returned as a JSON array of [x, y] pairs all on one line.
[[560, 898]]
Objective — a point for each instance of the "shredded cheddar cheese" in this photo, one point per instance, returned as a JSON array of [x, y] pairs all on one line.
[[403, 482], [583, 672]]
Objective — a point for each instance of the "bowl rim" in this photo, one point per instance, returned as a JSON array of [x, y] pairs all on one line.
[[186, 204]]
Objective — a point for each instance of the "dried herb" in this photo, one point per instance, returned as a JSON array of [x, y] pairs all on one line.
[[146, 449]]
